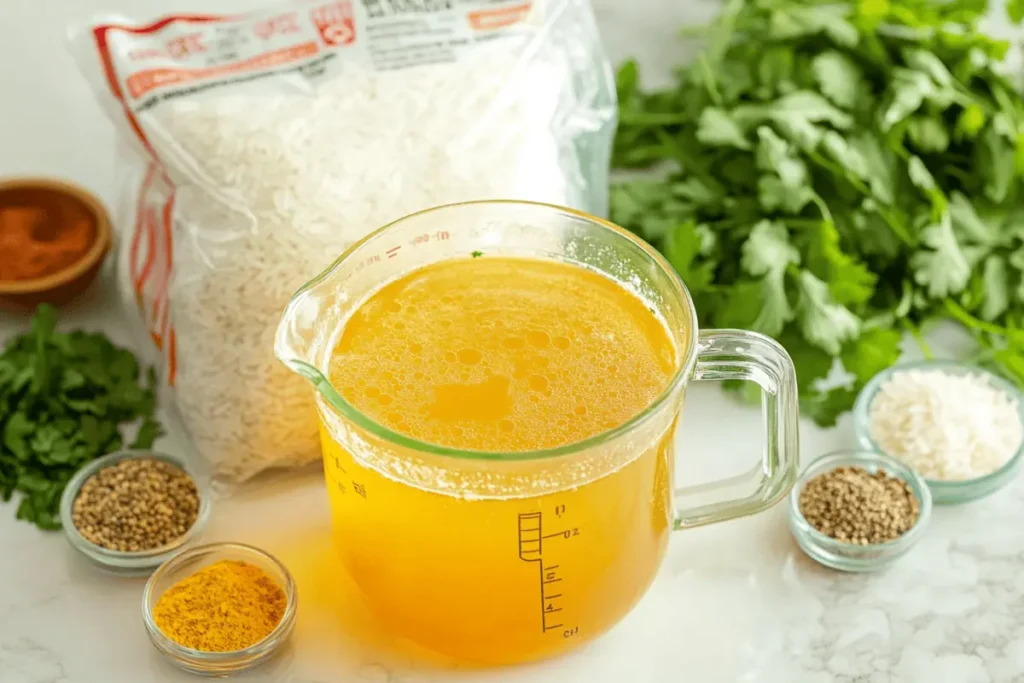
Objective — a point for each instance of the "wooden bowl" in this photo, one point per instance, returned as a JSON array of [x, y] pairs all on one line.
[[66, 284]]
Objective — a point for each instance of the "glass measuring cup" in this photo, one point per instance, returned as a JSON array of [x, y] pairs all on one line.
[[506, 557]]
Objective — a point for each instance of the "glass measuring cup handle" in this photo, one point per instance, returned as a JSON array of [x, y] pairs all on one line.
[[741, 355]]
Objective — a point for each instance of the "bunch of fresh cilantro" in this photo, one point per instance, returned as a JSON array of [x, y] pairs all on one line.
[[62, 399], [839, 173]]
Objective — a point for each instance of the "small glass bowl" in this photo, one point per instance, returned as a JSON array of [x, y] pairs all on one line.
[[943, 492], [218, 663], [850, 557], [128, 563]]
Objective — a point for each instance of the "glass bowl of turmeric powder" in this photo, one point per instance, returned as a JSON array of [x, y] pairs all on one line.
[[53, 238], [220, 609]]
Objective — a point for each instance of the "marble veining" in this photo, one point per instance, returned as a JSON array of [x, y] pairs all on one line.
[[25, 660]]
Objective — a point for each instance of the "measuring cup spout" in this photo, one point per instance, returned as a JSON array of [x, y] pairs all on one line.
[[300, 336], [304, 337]]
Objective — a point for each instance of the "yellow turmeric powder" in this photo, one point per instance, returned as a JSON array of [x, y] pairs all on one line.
[[227, 606]]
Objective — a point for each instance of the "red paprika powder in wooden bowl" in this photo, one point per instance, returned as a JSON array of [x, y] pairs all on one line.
[[53, 238]]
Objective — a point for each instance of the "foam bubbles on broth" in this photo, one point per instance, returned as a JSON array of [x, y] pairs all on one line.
[[502, 354]]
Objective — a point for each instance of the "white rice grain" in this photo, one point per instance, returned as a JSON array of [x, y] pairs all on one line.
[[947, 426]]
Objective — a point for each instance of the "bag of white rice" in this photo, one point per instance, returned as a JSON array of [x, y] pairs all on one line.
[[263, 145]]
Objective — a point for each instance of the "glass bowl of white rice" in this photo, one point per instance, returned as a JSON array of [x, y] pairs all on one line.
[[960, 427]]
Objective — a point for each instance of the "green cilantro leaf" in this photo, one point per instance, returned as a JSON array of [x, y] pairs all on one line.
[[824, 322], [825, 408], [627, 80], [767, 254], [801, 132], [775, 71], [683, 248], [880, 164], [699, 192], [920, 175], [148, 433], [928, 134], [62, 397], [967, 223], [874, 351], [928, 63], [996, 279], [768, 251], [774, 154], [796, 21], [849, 281], [833, 170], [838, 77], [910, 89], [810, 107], [1015, 10], [944, 269], [970, 122], [846, 154], [812, 363], [775, 195], [740, 306], [716, 128], [996, 160]]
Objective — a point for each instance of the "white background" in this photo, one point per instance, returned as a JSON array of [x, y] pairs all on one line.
[[734, 602]]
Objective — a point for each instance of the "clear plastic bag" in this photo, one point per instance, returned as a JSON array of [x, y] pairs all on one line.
[[262, 146]]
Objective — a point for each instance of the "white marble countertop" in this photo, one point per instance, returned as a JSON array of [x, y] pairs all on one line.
[[733, 602]]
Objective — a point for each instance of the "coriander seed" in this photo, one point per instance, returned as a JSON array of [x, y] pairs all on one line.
[[853, 505], [137, 504]]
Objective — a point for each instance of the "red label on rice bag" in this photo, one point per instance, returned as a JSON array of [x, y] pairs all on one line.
[[501, 17], [143, 82], [179, 51], [335, 23], [150, 260], [186, 54]]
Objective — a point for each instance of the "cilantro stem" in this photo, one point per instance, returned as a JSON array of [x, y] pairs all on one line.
[[823, 207], [841, 172], [972, 323], [838, 170], [709, 80], [915, 333], [961, 175], [993, 356], [809, 223], [721, 31]]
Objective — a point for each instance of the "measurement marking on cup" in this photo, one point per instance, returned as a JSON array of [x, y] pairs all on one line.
[[529, 537], [531, 549], [415, 243]]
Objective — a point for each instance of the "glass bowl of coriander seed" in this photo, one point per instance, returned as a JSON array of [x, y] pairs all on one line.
[[131, 510], [858, 511]]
